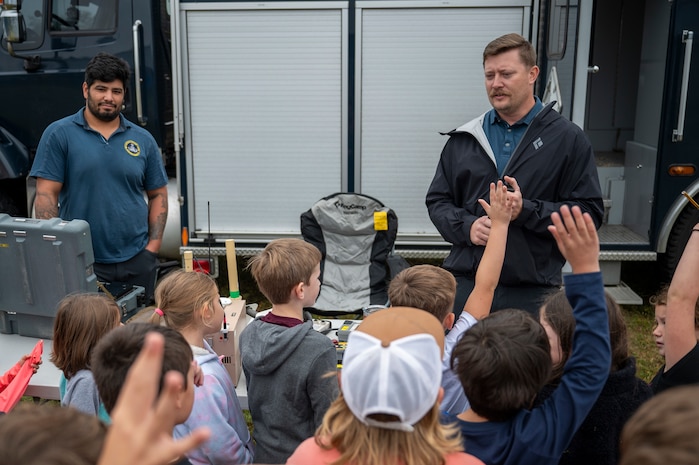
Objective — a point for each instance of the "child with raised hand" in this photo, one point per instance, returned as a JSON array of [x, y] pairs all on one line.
[[388, 409], [190, 304], [480, 300], [504, 361], [433, 289], [81, 321], [597, 439], [677, 322]]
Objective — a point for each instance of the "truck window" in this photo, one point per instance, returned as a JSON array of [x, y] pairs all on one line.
[[558, 29], [33, 14], [83, 17]]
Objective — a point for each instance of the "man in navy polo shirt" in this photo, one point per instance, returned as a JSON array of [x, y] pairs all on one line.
[[96, 165]]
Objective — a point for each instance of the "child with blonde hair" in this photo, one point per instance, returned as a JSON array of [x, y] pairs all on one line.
[[190, 304], [388, 409], [81, 321]]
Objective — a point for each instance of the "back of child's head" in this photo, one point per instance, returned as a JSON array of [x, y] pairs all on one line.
[[81, 321], [660, 298], [180, 295], [558, 313], [426, 287], [44, 434], [502, 363], [388, 409], [663, 430], [117, 351], [283, 264]]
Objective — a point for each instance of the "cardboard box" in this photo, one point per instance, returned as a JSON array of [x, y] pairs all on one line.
[[227, 342]]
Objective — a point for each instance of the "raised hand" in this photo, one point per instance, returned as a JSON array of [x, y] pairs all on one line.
[[500, 208], [576, 237]]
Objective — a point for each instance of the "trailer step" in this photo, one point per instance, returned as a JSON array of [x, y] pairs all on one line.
[[623, 294], [618, 234]]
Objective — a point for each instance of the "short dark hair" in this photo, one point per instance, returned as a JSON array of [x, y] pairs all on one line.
[[107, 68], [117, 351], [34, 434], [502, 362], [511, 42]]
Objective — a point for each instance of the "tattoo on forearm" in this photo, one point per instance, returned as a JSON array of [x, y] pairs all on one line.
[[45, 207], [157, 227]]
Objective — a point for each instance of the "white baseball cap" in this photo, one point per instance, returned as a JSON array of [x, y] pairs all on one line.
[[392, 365]]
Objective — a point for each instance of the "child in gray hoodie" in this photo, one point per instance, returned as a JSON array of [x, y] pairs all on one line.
[[285, 361]]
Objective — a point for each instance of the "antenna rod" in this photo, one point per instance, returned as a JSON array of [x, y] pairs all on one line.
[[210, 236]]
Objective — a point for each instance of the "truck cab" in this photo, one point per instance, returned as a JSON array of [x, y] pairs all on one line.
[[43, 65]]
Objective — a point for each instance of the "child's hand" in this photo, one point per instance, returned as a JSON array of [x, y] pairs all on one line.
[[35, 366], [500, 208], [576, 237], [141, 426]]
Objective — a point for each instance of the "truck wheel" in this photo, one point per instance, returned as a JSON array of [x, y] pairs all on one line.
[[678, 240], [8, 205]]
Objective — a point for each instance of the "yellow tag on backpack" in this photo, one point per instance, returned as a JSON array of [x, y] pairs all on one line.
[[380, 221]]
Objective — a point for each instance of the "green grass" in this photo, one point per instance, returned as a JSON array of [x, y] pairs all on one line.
[[639, 326]]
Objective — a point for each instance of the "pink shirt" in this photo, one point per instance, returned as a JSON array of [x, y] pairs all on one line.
[[310, 453]]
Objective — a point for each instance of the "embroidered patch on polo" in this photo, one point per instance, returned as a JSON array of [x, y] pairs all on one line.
[[132, 148]]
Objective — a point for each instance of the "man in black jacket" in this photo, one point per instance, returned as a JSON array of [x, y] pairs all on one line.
[[546, 161]]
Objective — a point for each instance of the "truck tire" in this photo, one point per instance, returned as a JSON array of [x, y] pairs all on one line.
[[678, 240], [8, 205]]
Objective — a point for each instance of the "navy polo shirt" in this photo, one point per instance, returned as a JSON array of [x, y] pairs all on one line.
[[104, 181], [503, 137]]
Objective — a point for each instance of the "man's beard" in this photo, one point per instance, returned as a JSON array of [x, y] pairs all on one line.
[[102, 115]]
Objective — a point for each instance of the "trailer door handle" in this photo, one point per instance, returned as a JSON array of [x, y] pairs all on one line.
[[137, 72], [687, 39]]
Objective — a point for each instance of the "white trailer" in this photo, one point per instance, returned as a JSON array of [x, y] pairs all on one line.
[[280, 103]]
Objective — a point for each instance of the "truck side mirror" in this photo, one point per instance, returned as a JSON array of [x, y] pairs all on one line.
[[15, 30]]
